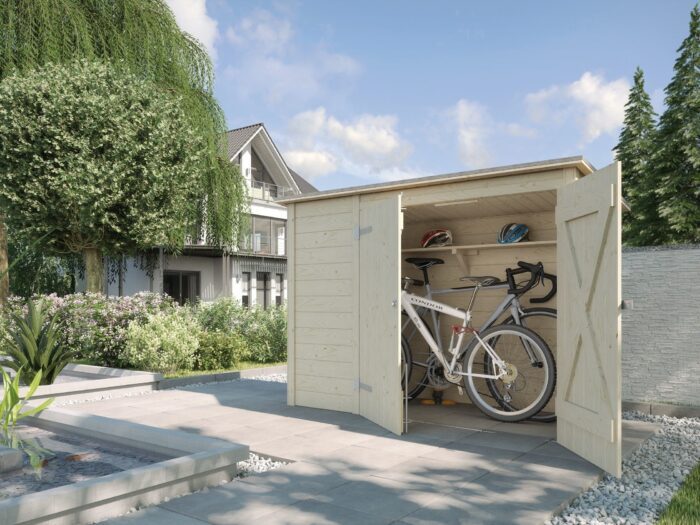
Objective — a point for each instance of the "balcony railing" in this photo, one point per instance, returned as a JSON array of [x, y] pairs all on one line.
[[268, 192]]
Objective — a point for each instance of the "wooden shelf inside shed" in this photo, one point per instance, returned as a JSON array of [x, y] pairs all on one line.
[[464, 247]]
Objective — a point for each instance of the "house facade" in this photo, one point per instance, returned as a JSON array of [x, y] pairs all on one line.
[[255, 274]]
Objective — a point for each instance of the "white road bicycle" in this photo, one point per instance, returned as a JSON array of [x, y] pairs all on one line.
[[507, 370]]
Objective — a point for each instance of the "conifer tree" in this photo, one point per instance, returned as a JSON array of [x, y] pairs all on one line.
[[642, 225], [677, 159]]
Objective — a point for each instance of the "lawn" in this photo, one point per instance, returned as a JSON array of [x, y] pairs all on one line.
[[684, 508]]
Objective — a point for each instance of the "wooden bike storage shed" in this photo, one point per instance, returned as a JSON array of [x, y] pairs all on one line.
[[346, 251]]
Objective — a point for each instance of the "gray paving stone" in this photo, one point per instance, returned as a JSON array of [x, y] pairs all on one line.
[[424, 473], [380, 497], [319, 513], [154, 516], [358, 459], [300, 480], [504, 440], [451, 510], [235, 502]]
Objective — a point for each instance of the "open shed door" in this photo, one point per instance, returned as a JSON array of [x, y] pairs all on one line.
[[379, 382], [588, 334]]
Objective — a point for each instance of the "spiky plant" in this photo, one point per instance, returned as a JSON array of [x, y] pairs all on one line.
[[12, 403], [33, 344]]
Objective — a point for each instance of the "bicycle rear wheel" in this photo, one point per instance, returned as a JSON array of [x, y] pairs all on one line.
[[542, 321], [529, 379]]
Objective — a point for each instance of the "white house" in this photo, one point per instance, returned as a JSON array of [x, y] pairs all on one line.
[[257, 273]]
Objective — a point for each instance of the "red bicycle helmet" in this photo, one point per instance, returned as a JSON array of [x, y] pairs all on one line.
[[439, 237]]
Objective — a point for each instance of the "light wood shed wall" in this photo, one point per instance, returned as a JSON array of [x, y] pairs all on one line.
[[322, 301], [323, 293]]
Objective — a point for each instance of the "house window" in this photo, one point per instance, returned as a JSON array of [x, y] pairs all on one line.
[[262, 241], [278, 236], [245, 289], [181, 286], [279, 291], [268, 236], [262, 297]]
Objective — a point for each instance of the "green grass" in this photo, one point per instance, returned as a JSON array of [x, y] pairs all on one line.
[[684, 508], [243, 365]]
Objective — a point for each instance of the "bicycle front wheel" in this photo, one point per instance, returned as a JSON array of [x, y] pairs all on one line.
[[526, 381]]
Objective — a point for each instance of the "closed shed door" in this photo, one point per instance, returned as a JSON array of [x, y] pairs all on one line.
[[379, 384], [588, 400]]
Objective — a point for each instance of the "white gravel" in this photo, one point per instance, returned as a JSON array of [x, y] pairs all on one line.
[[650, 477], [272, 378], [258, 464]]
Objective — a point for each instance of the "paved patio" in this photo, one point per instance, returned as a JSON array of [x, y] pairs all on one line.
[[454, 466]]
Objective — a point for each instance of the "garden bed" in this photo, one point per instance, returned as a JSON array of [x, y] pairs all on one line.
[[78, 381], [167, 463], [67, 458]]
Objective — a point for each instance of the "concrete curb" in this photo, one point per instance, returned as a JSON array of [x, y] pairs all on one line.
[[99, 379], [203, 462], [177, 382], [662, 409]]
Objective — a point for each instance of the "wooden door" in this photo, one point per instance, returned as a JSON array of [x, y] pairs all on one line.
[[379, 383], [588, 402]]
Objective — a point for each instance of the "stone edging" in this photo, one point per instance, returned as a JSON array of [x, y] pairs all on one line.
[[177, 382], [662, 409], [200, 462]]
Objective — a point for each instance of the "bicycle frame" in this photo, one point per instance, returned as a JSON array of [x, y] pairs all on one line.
[[509, 301], [409, 300]]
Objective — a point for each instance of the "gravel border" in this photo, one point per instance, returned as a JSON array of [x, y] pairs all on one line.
[[650, 477]]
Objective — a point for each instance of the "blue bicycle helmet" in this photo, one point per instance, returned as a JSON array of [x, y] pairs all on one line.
[[513, 232]]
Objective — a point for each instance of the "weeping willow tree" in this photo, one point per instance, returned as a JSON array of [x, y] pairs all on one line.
[[143, 37]]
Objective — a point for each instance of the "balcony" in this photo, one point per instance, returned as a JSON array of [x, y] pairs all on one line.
[[268, 192]]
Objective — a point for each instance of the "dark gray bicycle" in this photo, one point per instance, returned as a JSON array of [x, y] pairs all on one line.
[[425, 370]]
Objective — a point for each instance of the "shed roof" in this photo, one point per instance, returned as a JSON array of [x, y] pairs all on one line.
[[577, 162]]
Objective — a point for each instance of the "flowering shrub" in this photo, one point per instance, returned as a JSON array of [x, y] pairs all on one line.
[[95, 326], [98, 329], [165, 342], [263, 331], [219, 350]]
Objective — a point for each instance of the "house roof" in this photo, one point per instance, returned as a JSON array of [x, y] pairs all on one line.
[[304, 185], [239, 137], [577, 162]]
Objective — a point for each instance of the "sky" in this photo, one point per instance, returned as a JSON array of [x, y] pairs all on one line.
[[372, 91]]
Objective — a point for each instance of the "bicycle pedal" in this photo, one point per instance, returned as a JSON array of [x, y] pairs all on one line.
[[427, 402], [449, 402]]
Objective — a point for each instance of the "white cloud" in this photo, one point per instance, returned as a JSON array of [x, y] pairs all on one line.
[[313, 164], [269, 61], [597, 106], [368, 146], [474, 125], [262, 30], [192, 17]]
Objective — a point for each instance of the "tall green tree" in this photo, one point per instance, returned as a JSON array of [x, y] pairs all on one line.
[[642, 226], [96, 161], [144, 37], [677, 160]]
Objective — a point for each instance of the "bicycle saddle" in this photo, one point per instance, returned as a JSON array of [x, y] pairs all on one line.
[[483, 280], [423, 263]]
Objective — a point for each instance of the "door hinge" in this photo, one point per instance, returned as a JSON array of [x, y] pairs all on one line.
[[357, 231], [627, 304], [359, 385]]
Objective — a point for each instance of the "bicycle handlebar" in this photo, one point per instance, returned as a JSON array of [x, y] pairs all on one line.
[[552, 292], [535, 270]]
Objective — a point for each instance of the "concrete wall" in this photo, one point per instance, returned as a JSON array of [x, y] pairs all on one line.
[[661, 335]]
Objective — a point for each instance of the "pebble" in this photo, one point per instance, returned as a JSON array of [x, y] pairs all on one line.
[[650, 477]]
